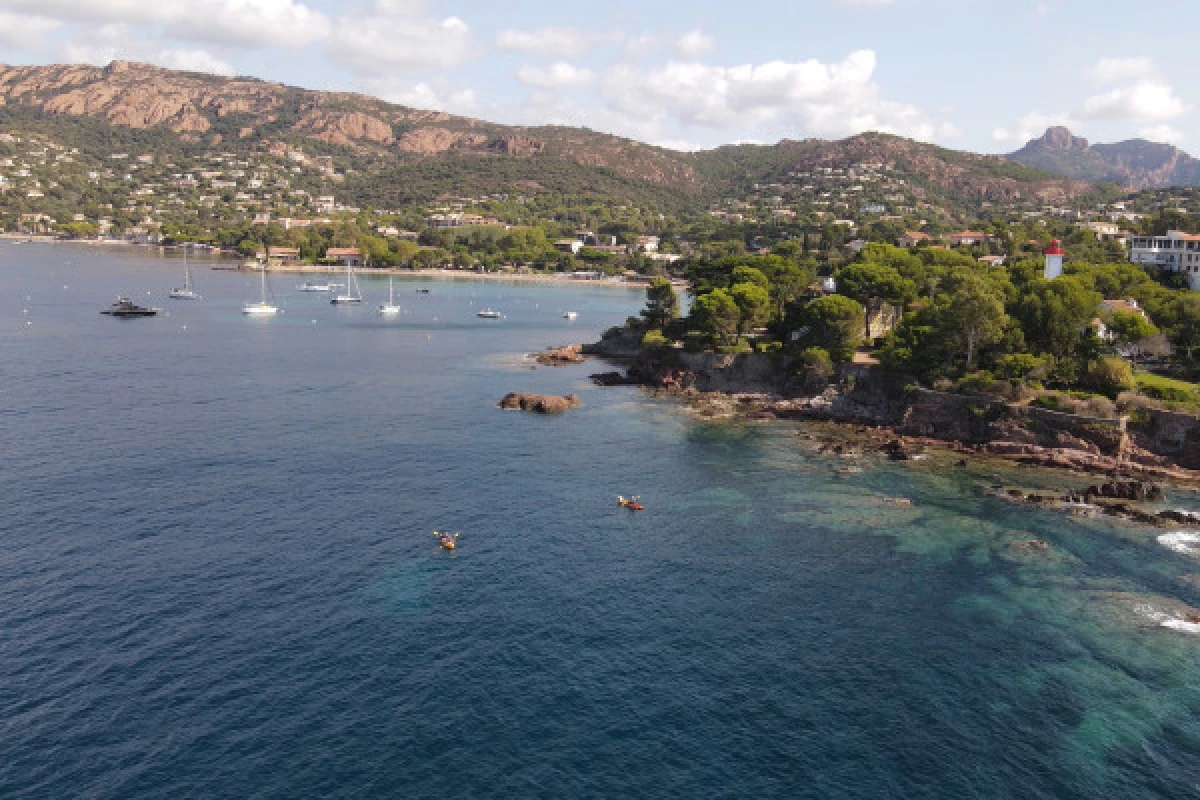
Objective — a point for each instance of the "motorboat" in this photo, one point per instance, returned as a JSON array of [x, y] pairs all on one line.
[[390, 308], [124, 307], [309, 286], [422, 291], [631, 503], [446, 539], [488, 313], [571, 315]]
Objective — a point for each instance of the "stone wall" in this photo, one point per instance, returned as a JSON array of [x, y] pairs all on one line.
[[1170, 434]]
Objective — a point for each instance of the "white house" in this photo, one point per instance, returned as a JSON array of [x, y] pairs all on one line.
[[1175, 252]]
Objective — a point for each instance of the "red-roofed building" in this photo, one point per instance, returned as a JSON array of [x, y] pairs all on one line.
[[912, 239], [346, 256]]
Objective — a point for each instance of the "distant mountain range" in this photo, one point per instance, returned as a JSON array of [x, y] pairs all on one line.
[[1135, 163], [392, 155]]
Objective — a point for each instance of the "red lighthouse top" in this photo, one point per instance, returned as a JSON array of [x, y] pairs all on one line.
[[1055, 249]]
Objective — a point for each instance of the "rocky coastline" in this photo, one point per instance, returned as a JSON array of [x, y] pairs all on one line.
[[899, 419]]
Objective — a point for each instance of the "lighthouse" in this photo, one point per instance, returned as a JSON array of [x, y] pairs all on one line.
[[1054, 259]]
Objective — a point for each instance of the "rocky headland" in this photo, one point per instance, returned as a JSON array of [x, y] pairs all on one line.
[[897, 417]]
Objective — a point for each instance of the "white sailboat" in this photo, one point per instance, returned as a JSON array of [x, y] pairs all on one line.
[[352, 295], [188, 292], [262, 308], [390, 308]]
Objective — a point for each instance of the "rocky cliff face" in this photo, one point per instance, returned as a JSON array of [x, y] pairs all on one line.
[[193, 105], [1136, 163]]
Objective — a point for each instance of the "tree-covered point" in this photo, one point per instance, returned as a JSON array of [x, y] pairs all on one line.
[[960, 320]]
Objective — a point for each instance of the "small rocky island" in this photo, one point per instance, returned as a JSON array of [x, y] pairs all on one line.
[[539, 403]]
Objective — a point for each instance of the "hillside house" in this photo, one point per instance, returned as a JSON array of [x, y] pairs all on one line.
[[283, 255], [572, 246], [647, 244], [1175, 252], [967, 238], [912, 239]]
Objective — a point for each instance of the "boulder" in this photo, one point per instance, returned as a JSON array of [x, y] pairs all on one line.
[[560, 356], [612, 379], [1139, 491], [540, 403]]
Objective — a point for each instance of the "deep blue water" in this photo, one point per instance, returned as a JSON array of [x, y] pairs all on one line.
[[218, 579]]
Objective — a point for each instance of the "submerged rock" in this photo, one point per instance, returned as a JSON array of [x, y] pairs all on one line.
[[540, 403]]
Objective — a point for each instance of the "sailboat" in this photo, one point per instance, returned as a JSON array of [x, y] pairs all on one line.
[[262, 308], [188, 292], [389, 308], [352, 295]]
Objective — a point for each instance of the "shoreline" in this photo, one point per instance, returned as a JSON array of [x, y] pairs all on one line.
[[234, 264], [900, 420]]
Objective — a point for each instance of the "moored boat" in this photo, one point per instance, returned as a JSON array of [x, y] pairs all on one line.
[[488, 313], [262, 308], [124, 307], [390, 308]]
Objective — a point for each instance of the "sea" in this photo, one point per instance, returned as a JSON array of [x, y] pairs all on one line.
[[218, 573]]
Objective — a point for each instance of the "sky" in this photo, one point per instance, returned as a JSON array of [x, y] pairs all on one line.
[[980, 75]]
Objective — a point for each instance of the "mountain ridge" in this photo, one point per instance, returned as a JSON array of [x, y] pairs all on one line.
[[1132, 163], [198, 110]]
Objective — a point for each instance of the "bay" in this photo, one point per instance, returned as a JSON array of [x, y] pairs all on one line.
[[217, 573]]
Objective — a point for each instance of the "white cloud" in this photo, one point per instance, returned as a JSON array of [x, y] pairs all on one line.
[[194, 61], [23, 31], [100, 45], [695, 43], [865, 2], [425, 96], [104, 43], [808, 97], [556, 76], [1162, 133], [1116, 70], [1145, 100], [681, 145], [559, 42], [396, 35], [1137, 94], [264, 23]]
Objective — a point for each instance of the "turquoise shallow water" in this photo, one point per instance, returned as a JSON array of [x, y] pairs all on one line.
[[217, 576]]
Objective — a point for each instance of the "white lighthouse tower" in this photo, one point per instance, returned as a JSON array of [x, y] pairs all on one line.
[[1054, 259]]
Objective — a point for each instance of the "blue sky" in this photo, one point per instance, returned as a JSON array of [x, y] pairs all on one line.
[[981, 75]]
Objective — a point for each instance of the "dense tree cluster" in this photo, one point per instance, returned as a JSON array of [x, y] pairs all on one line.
[[960, 320]]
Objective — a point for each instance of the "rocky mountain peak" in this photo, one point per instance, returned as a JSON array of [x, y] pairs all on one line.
[[1059, 137]]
